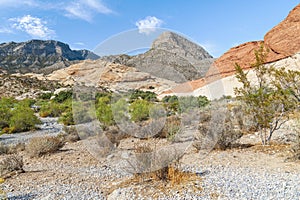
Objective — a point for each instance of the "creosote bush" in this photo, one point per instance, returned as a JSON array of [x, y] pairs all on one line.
[[39, 146], [269, 100]]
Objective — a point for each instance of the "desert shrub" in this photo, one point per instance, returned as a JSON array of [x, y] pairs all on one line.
[[115, 135], [11, 149], [268, 99], [70, 134], [171, 128], [145, 95], [104, 111], [16, 148], [9, 164], [39, 146], [23, 119], [63, 96], [139, 110], [3, 149], [45, 96], [184, 104], [67, 118], [203, 101], [170, 99], [51, 110], [83, 112], [54, 109], [219, 127], [103, 94], [171, 104], [188, 103], [6, 105], [26, 102], [295, 147], [170, 173], [17, 116]]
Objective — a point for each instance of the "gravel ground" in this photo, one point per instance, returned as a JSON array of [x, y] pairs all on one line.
[[73, 173], [49, 127]]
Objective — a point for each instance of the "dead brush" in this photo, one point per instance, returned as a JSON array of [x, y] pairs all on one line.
[[10, 164], [12, 148], [39, 146], [164, 180]]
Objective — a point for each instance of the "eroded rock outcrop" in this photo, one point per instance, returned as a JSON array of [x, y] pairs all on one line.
[[282, 41], [109, 75], [284, 38]]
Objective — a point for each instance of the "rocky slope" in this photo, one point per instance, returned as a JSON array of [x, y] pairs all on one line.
[[171, 57], [39, 56], [24, 86], [109, 75]]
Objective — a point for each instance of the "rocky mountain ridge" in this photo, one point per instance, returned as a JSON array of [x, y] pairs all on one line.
[[39, 56], [170, 57]]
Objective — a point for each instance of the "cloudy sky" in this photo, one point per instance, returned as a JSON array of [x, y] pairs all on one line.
[[217, 25]]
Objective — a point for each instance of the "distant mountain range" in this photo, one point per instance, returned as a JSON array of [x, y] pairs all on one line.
[[39, 56], [170, 57], [171, 60]]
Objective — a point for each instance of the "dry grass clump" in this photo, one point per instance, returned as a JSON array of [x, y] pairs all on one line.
[[169, 177], [43, 145], [11, 149], [171, 128], [219, 127], [70, 134], [295, 148], [161, 182], [10, 164]]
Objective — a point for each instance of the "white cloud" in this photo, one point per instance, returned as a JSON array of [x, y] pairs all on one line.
[[79, 43], [33, 26], [16, 3], [85, 9], [98, 6], [5, 30], [149, 24]]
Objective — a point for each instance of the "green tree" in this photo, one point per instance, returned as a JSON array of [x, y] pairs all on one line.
[[268, 104]]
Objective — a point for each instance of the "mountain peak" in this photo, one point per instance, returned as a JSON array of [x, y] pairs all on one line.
[[177, 44]]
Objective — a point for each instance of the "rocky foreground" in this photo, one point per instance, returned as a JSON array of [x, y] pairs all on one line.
[[249, 171]]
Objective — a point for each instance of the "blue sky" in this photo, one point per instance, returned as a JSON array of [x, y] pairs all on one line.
[[217, 25]]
